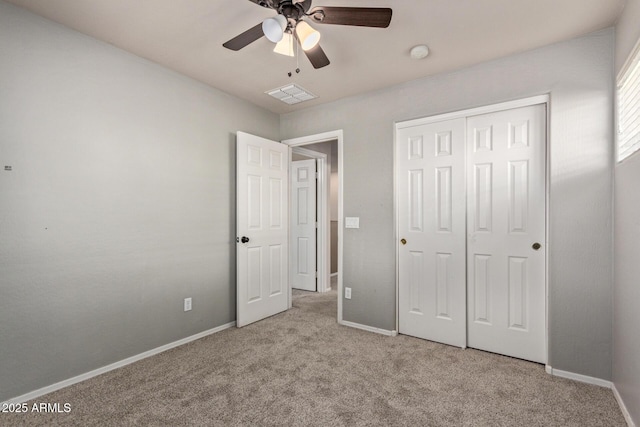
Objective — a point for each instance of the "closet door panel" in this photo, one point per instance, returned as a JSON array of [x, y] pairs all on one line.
[[506, 232], [431, 219]]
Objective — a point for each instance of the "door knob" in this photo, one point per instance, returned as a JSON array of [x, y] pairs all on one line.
[[403, 241], [536, 246], [244, 239]]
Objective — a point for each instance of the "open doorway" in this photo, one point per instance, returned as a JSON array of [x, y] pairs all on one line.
[[326, 148]]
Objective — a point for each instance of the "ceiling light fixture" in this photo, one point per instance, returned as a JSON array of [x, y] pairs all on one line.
[[273, 28], [285, 46], [419, 52], [308, 37]]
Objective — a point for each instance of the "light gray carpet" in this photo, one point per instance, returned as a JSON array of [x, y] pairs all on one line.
[[301, 368]]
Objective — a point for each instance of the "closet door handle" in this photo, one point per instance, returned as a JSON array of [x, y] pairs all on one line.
[[536, 246], [403, 241]]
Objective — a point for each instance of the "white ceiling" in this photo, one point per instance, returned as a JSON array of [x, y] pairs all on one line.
[[187, 36]]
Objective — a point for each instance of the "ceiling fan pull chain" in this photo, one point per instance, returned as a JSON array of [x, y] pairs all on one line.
[[297, 55], [297, 58]]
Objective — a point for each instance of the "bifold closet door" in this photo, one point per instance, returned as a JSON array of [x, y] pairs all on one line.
[[431, 225], [506, 232]]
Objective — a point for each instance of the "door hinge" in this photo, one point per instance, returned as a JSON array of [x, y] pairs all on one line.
[[317, 225], [317, 175], [316, 274]]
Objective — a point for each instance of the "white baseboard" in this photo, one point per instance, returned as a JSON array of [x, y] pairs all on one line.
[[83, 377], [578, 377], [623, 407], [369, 328], [598, 382]]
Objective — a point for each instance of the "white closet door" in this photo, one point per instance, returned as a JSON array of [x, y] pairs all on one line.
[[431, 220], [506, 232], [303, 225]]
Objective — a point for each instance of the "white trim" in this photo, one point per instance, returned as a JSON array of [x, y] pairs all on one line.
[[624, 77], [336, 135], [315, 139], [547, 232], [578, 377], [333, 274], [87, 375], [509, 105], [369, 328], [309, 153], [623, 407], [629, 60], [396, 221], [595, 381]]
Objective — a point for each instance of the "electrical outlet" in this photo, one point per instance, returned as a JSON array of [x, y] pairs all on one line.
[[187, 304], [347, 293]]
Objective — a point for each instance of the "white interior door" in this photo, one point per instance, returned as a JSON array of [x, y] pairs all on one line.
[[506, 226], [303, 225], [262, 222], [431, 216]]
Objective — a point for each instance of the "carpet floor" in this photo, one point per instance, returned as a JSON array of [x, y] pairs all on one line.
[[301, 368]]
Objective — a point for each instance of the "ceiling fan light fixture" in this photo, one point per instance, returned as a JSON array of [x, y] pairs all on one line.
[[273, 28], [285, 46], [309, 38]]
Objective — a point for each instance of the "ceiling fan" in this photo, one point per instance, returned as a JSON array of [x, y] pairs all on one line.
[[290, 24]]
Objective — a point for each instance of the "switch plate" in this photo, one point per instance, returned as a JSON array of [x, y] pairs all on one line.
[[352, 222], [347, 293], [187, 304]]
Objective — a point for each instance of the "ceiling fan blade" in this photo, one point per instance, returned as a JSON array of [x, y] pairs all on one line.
[[245, 38], [379, 17], [317, 57], [264, 3]]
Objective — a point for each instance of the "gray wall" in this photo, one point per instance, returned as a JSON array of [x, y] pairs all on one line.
[[120, 203], [578, 74], [626, 339]]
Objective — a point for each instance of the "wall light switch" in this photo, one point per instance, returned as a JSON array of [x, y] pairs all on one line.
[[187, 304], [347, 293], [352, 222]]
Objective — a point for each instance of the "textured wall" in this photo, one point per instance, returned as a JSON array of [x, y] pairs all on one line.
[[120, 204], [578, 75]]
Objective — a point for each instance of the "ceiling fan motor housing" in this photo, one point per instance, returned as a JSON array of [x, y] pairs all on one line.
[[296, 10]]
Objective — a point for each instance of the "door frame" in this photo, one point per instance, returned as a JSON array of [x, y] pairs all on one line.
[[491, 108], [324, 270], [322, 210]]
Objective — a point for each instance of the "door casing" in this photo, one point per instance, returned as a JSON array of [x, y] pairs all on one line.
[[324, 251]]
